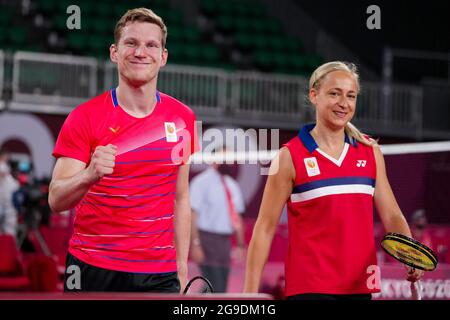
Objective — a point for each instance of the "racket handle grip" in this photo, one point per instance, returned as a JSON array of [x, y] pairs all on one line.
[[415, 290]]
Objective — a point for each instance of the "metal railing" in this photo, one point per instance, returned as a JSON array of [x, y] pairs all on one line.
[[436, 98], [403, 114], [202, 88], [274, 95], [41, 81], [59, 81], [199, 88], [247, 96]]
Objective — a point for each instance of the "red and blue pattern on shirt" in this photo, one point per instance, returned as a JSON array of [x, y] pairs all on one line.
[[125, 221]]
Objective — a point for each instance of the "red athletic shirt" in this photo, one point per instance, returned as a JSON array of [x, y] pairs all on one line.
[[330, 219], [125, 221]]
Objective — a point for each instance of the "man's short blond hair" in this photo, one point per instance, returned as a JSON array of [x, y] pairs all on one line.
[[140, 15]]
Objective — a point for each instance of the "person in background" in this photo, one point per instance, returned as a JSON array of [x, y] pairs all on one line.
[[217, 205], [419, 229], [8, 185]]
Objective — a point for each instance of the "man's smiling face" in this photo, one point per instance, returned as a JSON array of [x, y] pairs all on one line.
[[139, 53]]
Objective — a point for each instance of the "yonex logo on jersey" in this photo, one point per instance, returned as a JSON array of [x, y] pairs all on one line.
[[361, 163], [312, 167], [171, 132]]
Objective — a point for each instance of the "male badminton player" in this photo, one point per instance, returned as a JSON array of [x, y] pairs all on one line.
[[121, 163], [330, 175]]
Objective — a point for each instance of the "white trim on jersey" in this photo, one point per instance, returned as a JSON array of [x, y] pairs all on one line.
[[331, 190], [341, 158]]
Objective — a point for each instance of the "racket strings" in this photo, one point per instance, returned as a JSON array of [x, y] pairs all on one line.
[[409, 251], [206, 281]]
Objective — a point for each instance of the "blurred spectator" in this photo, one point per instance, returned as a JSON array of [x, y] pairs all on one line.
[[217, 205], [8, 185], [31, 199], [419, 229], [421, 233]]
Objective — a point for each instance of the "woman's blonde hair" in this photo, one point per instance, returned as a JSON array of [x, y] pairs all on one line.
[[316, 80]]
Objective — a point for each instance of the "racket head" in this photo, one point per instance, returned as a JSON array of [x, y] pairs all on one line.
[[208, 288], [409, 251]]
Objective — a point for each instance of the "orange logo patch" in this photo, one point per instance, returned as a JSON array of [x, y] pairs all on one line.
[[312, 167], [171, 132], [114, 130], [311, 164]]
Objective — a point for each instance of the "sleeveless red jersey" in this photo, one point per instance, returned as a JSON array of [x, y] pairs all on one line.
[[330, 218]]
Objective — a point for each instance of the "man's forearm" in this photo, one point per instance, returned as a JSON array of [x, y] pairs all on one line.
[[66, 193], [182, 227], [195, 237]]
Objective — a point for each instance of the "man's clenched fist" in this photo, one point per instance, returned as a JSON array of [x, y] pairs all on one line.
[[102, 162]]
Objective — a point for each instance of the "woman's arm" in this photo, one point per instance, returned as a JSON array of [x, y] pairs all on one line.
[[390, 214], [277, 190]]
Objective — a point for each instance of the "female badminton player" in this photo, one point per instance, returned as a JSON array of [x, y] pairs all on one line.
[[330, 175]]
